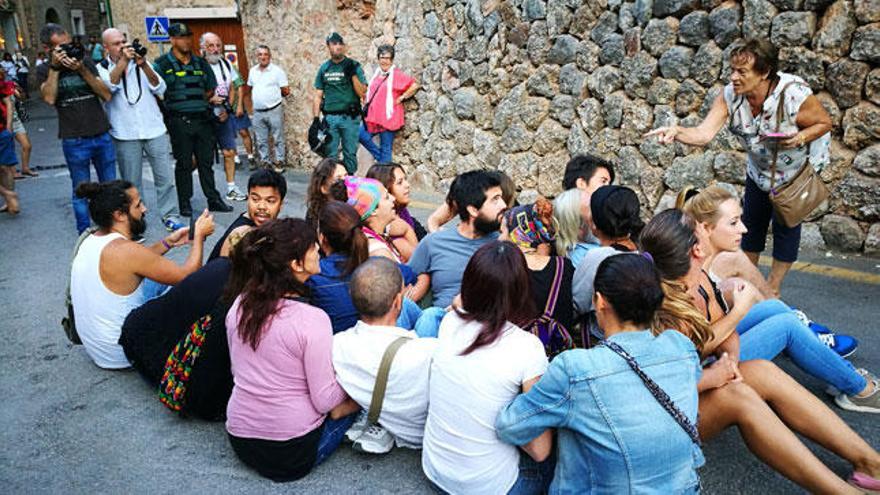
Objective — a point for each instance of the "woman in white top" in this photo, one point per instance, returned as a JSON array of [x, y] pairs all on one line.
[[750, 103], [483, 361]]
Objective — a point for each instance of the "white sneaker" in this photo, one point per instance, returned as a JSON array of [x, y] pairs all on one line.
[[237, 160], [235, 195], [357, 428], [374, 440], [869, 404]]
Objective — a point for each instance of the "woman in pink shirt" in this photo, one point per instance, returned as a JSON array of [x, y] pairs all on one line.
[[388, 88], [280, 349]]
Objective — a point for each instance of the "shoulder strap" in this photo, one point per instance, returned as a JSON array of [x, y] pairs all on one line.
[[658, 393], [780, 114], [555, 287], [376, 92], [382, 379]]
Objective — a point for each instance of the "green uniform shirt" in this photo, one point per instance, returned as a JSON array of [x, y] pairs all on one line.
[[187, 83], [339, 94]]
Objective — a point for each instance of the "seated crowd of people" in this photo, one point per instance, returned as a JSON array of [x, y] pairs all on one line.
[[563, 345]]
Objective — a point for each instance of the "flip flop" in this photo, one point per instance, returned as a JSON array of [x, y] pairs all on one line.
[[20, 177], [31, 173]]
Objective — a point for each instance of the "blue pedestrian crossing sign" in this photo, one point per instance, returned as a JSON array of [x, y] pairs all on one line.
[[157, 29]]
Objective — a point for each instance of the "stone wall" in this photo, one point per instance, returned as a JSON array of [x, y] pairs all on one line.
[[523, 84]]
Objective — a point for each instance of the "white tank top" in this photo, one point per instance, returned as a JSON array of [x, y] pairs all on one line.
[[99, 312]]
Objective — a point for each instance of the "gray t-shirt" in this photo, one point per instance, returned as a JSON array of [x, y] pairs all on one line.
[[444, 255], [582, 287]]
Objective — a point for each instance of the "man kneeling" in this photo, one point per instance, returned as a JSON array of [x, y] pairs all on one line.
[[377, 293], [110, 272]]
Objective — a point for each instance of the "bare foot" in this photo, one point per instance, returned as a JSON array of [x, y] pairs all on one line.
[[12, 206]]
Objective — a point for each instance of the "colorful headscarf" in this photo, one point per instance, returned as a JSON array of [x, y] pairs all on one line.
[[364, 194], [531, 225]]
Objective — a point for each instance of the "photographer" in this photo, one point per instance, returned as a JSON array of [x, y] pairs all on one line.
[[339, 87], [136, 123], [70, 83], [228, 105]]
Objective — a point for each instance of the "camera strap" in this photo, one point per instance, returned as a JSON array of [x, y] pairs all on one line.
[[137, 74]]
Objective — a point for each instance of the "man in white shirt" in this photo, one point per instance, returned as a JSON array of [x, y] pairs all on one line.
[[228, 106], [377, 293], [269, 86], [136, 123]]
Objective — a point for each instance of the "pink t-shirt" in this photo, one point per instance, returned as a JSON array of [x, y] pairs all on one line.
[[376, 119], [286, 387]]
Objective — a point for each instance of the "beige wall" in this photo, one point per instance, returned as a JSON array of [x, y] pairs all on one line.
[[128, 15]]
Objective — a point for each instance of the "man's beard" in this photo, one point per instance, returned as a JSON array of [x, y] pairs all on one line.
[[213, 58], [137, 227], [485, 227]]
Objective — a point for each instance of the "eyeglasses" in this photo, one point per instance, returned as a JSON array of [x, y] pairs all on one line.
[[386, 58]]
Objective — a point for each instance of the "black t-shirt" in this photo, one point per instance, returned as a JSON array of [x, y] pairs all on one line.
[[243, 219], [542, 280], [80, 110]]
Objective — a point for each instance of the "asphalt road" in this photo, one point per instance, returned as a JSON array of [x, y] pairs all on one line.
[[70, 427]]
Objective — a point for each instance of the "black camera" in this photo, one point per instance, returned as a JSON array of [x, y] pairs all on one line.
[[73, 51], [138, 48]]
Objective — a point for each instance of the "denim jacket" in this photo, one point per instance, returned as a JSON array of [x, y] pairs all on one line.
[[613, 435], [330, 291]]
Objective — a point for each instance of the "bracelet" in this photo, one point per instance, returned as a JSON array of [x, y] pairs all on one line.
[[167, 246]]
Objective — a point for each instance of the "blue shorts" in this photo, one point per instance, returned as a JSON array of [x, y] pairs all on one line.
[[226, 134], [7, 149], [243, 122]]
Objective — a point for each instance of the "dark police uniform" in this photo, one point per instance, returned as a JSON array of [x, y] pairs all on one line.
[[191, 126]]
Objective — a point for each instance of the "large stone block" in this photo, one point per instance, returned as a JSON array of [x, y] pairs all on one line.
[[521, 167], [605, 26], [464, 138], [464, 101], [485, 146], [730, 166], [662, 91], [585, 16], [833, 110], [868, 161], [860, 195], [612, 51], [689, 97], [861, 125], [694, 29], [657, 154], [571, 80], [872, 241], [549, 138], [867, 10], [563, 51], [840, 162], [678, 8], [842, 233], [638, 73], [578, 141], [534, 9], [544, 82], [516, 138], [872, 86], [550, 170], [866, 43], [590, 113], [604, 81], [757, 18], [836, 29], [612, 108], [724, 22], [706, 64], [844, 80], [638, 118], [562, 109], [803, 63], [692, 170], [606, 143], [630, 166], [793, 28], [675, 63], [558, 17], [533, 111], [660, 35], [587, 57]]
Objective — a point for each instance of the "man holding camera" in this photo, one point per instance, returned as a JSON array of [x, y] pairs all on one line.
[[230, 89], [188, 100], [339, 87], [136, 123], [70, 83]]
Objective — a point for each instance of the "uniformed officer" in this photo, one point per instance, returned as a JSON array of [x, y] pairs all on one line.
[[188, 98]]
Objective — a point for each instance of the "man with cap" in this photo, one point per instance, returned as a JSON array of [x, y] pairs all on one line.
[[188, 99], [339, 87], [269, 86]]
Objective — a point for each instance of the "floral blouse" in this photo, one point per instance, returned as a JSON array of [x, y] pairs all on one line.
[[749, 131]]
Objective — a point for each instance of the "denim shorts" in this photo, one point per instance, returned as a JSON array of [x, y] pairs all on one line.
[[243, 122], [7, 149], [226, 133]]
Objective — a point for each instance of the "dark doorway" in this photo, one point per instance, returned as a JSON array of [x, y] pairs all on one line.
[[52, 16]]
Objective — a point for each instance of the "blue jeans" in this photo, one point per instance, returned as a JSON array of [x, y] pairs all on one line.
[[343, 131], [79, 154], [331, 436], [534, 477], [381, 153], [428, 323], [771, 328], [409, 314]]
